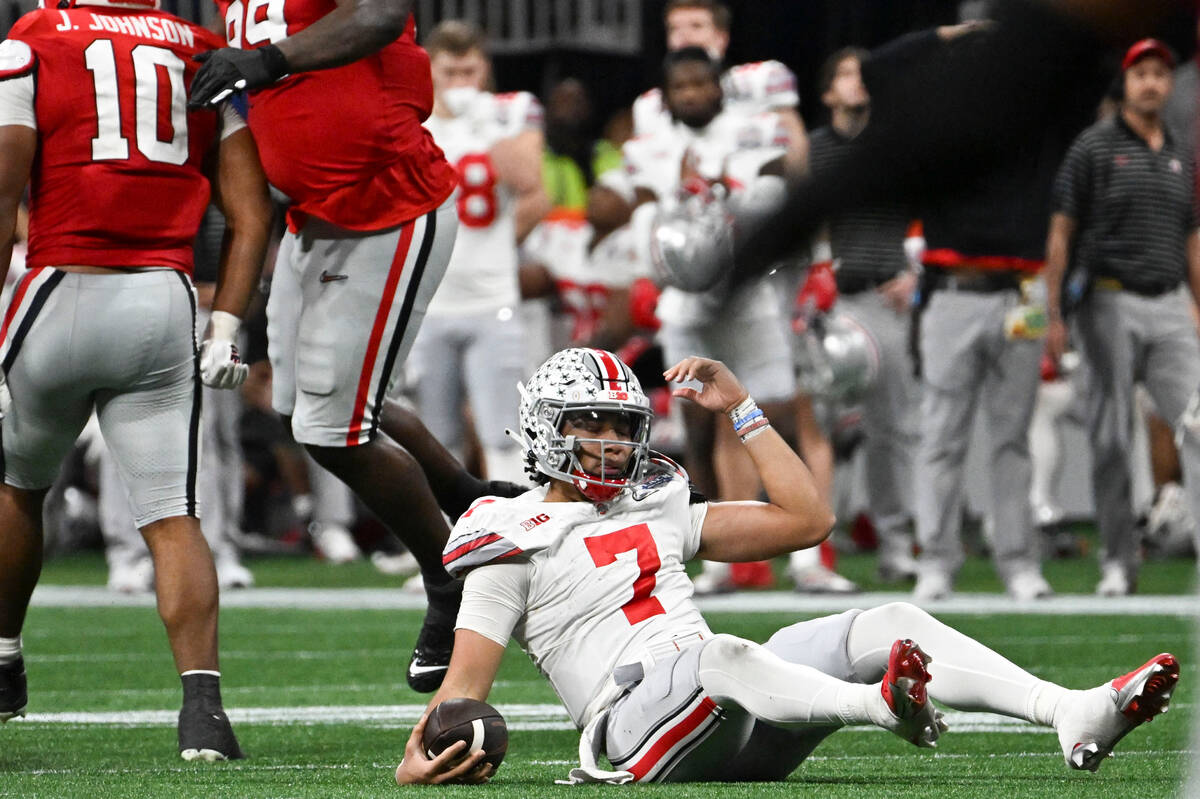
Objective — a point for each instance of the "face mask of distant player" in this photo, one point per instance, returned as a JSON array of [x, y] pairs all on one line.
[[459, 99]]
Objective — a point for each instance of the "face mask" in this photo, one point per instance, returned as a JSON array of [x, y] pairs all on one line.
[[459, 99]]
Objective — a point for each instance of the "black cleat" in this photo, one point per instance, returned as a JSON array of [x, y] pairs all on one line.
[[431, 655], [14, 694], [205, 734]]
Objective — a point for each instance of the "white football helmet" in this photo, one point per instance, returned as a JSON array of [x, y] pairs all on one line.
[[585, 386]]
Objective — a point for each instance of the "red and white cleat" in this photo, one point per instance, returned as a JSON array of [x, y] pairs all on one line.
[[1100, 717], [903, 689]]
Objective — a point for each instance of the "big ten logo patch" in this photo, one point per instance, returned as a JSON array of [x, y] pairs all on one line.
[[529, 524]]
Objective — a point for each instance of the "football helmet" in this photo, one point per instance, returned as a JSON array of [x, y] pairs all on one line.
[[585, 387], [690, 240], [836, 358]]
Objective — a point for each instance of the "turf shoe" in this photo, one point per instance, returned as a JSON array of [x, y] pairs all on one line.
[[14, 694], [205, 734], [903, 689], [1096, 719], [431, 655]]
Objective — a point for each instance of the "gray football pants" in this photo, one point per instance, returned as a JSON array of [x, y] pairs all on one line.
[[220, 489], [1126, 339], [967, 362], [480, 356], [889, 418]]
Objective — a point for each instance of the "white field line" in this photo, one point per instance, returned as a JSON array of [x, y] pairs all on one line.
[[519, 717], [744, 602], [301, 767]]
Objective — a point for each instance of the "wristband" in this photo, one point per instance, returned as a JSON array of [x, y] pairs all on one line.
[[748, 420], [223, 326]]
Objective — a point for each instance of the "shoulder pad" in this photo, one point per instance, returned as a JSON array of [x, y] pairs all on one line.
[[493, 530], [16, 59], [661, 472], [517, 111]]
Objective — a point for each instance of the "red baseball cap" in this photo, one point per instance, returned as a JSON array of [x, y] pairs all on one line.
[[1144, 49]]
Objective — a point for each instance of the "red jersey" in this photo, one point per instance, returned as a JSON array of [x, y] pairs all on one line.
[[345, 144], [117, 180]]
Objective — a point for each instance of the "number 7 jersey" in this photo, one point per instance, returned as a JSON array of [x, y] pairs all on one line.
[[601, 590], [118, 176]]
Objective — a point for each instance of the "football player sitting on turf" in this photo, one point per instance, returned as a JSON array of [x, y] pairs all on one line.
[[586, 571]]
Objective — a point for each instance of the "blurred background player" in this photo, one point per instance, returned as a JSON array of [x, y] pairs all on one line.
[[1125, 200], [106, 316], [470, 350], [753, 88], [370, 231], [709, 145], [875, 286]]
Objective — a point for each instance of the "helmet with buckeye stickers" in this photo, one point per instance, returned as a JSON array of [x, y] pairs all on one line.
[[591, 390]]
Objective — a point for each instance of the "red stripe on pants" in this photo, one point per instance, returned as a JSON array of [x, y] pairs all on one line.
[[18, 295], [672, 737], [381, 317]]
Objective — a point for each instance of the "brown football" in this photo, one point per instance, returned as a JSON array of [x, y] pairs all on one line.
[[477, 723]]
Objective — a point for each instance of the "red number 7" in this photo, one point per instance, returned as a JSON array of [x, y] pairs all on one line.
[[604, 550]]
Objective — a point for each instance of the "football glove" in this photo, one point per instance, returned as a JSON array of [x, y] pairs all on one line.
[[228, 70], [220, 364]]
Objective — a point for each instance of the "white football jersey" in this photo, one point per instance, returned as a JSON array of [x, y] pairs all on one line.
[[603, 589], [733, 148], [753, 88], [584, 280], [482, 274]]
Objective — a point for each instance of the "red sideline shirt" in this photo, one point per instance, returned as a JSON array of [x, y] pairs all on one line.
[[345, 144], [117, 180]]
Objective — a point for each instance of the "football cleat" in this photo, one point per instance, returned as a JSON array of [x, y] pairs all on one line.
[[1098, 718], [932, 586], [821, 580], [435, 643], [14, 693], [206, 735], [904, 692]]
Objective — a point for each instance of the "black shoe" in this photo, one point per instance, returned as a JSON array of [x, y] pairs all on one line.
[[205, 734], [14, 694], [435, 642]]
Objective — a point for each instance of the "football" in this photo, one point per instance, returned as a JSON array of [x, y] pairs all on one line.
[[477, 723]]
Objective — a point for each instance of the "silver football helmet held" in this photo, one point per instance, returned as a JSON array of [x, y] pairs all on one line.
[[837, 358], [691, 241], [585, 387]]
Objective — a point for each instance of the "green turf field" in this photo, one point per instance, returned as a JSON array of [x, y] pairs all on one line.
[[319, 702]]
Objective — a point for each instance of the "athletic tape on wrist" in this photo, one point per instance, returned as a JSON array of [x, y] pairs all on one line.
[[223, 326]]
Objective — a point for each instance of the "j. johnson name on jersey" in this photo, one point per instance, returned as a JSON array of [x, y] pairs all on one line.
[[145, 27]]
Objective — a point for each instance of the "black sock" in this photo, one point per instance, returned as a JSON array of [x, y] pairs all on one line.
[[201, 687]]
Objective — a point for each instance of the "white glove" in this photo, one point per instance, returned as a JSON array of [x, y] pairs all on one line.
[[5, 396], [220, 365]]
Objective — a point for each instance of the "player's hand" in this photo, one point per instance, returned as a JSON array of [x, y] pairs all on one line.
[[220, 364], [720, 390], [5, 396], [898, 292], [229, 70], [450, 766]]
